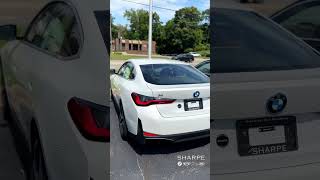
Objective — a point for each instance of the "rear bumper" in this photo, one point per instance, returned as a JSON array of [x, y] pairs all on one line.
[[182, 137], [153, 122], [309, 171]]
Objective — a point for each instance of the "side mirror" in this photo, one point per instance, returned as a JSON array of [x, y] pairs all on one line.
[[113, 71], [8, 32], [132, 76]]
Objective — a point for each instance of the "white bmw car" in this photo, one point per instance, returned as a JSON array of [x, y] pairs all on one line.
[[56, 88], [161, 99], [265, 115]]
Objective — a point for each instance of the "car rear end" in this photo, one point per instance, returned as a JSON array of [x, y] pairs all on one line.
[[252, 136], [179, 108]]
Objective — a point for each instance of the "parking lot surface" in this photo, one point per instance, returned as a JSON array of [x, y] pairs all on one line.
[[130, 161]]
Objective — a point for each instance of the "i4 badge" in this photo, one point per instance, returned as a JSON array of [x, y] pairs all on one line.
[[276, 103]]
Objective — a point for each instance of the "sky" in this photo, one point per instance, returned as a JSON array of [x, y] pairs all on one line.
[[118, 7]]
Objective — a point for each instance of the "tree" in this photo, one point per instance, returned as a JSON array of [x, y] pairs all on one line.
[[118, 30], [182, 32], [139, 24], [206, 26], [187, 31]]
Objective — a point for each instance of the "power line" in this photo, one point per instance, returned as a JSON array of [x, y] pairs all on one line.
[[158, 7]]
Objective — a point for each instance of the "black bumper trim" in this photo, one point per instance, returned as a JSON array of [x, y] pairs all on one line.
[[182, 137]]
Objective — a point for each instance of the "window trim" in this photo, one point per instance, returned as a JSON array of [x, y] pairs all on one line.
[[202, 64], [124, 64], [58, 56]]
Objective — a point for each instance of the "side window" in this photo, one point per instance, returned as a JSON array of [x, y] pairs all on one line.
[[62, 35], [37, 28], [205, 68], [122, 68], [304, 21], [128, 71]]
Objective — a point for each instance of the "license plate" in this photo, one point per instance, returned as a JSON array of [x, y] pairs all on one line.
[[193, 104], [266, 135]]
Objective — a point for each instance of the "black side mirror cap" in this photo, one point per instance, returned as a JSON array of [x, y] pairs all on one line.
[[113, 71]]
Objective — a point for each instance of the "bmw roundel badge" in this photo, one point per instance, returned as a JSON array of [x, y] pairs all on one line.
[[276, 103], [196, 94]]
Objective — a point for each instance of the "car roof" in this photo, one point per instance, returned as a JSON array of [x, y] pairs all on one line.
[[154, 61], [94, 5], [230, 5]]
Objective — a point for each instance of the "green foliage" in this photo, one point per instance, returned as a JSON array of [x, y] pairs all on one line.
[[187, 31], [202, 47], [184, 32], [188, 50], [139, 24], [205, 53]]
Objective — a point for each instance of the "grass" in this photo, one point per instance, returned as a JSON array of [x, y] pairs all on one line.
[[117, 56], [205, 53]]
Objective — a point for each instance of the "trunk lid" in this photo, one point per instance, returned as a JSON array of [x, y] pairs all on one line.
[[181, 93], [242, 96]]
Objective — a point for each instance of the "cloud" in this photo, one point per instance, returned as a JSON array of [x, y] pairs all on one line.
[[118, 7]]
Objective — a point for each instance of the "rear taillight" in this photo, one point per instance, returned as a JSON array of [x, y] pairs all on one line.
[[141, 100], [92, 120], [146, 134]]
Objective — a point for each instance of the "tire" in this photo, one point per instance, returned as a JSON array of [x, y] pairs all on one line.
[[38, 168], [123, 124]]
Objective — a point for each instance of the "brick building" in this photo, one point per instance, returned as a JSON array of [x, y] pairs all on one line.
[[132, 46]]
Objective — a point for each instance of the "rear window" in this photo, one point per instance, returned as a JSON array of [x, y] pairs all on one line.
[[246, 42], [172, 74]]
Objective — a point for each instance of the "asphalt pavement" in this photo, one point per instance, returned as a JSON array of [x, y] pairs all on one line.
[[129, 161]]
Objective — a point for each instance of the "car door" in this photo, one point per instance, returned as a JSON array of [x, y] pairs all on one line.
[[303, 20], [204, 67], [18, 70], [184, 57], [127, 86], [116, 83], [59, 72]]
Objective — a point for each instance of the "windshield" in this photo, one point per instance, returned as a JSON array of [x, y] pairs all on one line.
[[172, 74], [103, 19], [246, 42]]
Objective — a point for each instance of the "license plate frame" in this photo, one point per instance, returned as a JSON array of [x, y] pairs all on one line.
[[187, 101], [290, 131]]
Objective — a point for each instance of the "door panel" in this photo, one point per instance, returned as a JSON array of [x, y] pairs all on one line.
[[20, 86]]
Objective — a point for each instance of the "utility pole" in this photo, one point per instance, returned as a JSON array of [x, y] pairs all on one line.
[[150, 29]]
